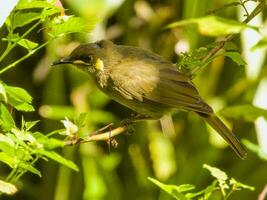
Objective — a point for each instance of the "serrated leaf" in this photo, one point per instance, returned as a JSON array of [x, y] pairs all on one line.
[[65, 25], [19, 98], [21, 19], [18, 94], [24, 107], [245, 112], [7, 121], [217, 173], [58, 158], [220, 175], [236, 57], [213, 25], [7, 188], [173, 190], [28, 4]]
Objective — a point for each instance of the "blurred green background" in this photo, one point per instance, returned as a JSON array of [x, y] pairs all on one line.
[[122, 172]]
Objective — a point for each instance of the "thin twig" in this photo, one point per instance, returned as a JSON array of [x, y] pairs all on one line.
[[99, 137]]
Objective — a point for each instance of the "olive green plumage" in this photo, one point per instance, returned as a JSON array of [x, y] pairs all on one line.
[[145, 83]]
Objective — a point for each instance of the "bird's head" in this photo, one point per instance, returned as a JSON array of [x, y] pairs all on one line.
[[92, 57]]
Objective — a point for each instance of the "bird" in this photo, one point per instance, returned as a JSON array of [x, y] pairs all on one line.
[[146, 83]]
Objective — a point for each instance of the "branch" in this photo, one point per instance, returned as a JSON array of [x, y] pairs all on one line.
[[228, 38], [106, 136]]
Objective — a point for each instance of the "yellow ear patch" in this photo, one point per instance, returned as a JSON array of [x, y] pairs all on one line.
[[99, 65]]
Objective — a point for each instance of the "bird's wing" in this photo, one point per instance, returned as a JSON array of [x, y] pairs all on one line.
[[163, 84]]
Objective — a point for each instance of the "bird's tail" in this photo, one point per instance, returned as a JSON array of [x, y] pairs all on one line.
[[226, 133]]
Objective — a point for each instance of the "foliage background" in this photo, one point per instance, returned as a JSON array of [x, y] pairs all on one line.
[[122, 173]]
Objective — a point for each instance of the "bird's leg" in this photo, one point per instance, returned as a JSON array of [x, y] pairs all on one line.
[[134, 118], [109, 126]]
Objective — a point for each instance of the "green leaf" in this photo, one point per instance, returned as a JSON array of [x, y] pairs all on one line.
[[21, 19], [28, 4], [236, 57], [64, 25], [173, 190], [238, 186], [205, 192], [7, 140], [29, 167], [7, 121], [81, 120], [13, 162], [30, 124], [220, 175], [23, 136], [217, 173], [47, 143], [7, 145], [245, 112], [19, 94], [9, 160], [28, 44], [25, 107], [213, 25], [58, 158], [7, 188], [19, 98]]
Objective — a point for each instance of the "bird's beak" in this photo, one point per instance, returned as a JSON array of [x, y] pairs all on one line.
[[61, 61]]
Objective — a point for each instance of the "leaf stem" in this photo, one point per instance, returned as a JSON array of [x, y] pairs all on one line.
[[24, 57], [10, 47], [20, 174], [106, 136], [11, 174]]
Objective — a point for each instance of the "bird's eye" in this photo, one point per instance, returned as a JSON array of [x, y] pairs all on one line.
[[86, 59]]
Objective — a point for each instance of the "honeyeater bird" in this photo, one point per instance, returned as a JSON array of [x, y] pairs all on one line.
[[146, 83]]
